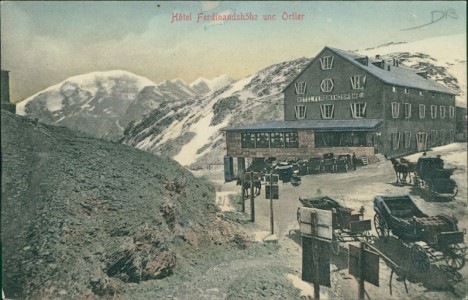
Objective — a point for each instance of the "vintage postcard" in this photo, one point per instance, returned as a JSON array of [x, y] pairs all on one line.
[[233, 150]]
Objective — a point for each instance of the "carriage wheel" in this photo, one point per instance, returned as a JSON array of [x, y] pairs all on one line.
[[335, 246], [420, 258], [381, 226], [455, 257], [429, 185]]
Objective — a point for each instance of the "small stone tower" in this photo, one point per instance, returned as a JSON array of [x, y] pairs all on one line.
[[5, 89]]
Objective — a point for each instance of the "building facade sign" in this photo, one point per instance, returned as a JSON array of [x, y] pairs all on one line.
[[346, 96]]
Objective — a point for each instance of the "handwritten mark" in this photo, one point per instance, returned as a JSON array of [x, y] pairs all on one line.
[[436, 16]]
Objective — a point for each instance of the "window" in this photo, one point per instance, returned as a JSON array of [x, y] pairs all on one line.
[[326, 85], [422, 111], [452, 135], [291, 140], [326, 62], [394, 89], [276, 140], [358, 82], [395, 140], [442, 112], [433, 111], [395, 109], [248, 140], [442, 136], [433, 137], [300, 111], [262, 140], [407, 110], [358, 110], [300, 87], [406, 91], [452, 111], [421, 141], [327, 110], [407, 139], [420, 93]]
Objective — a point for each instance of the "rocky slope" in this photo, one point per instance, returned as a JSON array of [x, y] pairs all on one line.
[[102, 104], [83, 217]]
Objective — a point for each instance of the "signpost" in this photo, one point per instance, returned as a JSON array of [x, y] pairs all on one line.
[[316, 228], [364, 265]]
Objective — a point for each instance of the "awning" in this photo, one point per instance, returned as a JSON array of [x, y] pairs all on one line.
[[316, 125]]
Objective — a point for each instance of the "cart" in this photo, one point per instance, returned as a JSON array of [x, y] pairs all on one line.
[[348, 224], [430, 174], [431, 238]]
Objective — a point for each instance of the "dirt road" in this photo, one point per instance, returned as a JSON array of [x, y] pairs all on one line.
[[355, 189]]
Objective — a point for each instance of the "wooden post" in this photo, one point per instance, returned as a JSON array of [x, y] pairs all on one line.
[[243, 191], [252, 204], [315, 259], [272, 224], [361, 272]]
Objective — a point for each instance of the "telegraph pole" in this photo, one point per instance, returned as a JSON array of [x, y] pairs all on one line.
[[272, 224]]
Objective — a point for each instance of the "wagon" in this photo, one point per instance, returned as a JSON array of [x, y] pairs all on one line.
[[431, 238], [430, 174], [348, 224]]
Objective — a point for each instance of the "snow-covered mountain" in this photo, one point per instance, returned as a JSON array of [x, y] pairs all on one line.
[[191, 135], [444, 58], [102, 104], [205, 86]]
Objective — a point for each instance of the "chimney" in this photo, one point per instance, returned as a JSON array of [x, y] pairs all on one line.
[[377, 56], [388, 68]]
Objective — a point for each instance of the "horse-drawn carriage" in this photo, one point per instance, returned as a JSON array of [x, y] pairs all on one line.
[[348, 224], [431, 238], [428, 173], [432, 175]]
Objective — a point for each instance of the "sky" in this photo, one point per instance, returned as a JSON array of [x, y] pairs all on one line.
[[45, 42]]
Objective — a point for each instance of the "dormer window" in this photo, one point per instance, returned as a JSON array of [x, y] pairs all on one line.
[[394, 89], [420, 93], [300, 87], [326, 62], [406, 91], [358, 82]]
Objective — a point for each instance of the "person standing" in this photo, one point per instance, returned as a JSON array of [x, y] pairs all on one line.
[[354, 161]]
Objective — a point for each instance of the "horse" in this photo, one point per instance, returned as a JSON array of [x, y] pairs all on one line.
[[412, 167], [401, 170], [257, 184]]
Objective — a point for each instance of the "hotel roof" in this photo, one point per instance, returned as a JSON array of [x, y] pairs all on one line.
[[316, 125], [390, 74]]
